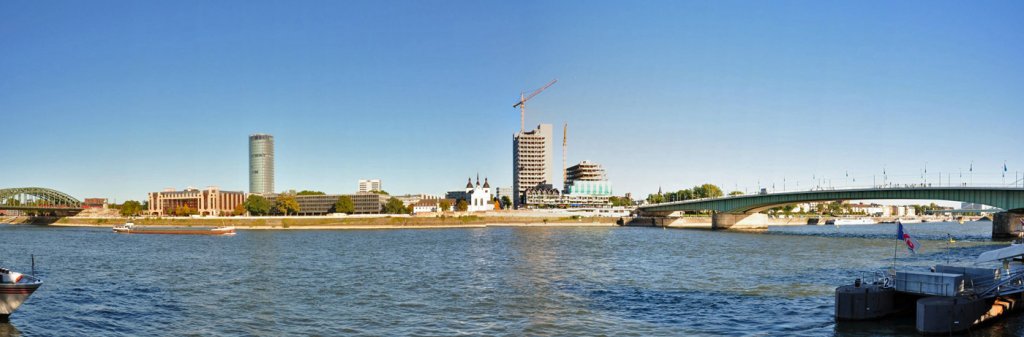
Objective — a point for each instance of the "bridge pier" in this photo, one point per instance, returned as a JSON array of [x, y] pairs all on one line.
[[1007, 225], [739, 221]]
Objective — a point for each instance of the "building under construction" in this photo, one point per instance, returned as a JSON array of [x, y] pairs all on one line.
[[532, 160]]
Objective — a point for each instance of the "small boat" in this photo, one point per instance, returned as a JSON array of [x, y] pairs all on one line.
[[15, 288], [131, 228], [857, 221]]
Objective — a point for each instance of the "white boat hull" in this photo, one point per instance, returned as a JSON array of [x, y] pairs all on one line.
[[849, 222], [12, 295]]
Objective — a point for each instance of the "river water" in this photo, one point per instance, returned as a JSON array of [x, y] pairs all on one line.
[[476, 281]]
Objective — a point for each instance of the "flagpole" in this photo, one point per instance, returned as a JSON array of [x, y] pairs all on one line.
[[895, 248]]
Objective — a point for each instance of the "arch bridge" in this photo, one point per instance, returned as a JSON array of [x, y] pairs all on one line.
[[740, 210], [39, 200]]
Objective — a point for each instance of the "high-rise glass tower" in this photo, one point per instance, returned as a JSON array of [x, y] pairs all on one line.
[[261, 163]]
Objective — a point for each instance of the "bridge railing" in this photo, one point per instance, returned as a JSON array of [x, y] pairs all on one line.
[[986, 181]]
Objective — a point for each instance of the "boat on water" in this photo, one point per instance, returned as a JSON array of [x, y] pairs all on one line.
[[854, 221], [131, 228], [15, 288], [945, 299]]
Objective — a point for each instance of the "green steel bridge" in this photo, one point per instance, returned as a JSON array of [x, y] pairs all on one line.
[[38, 199], [735, 210]]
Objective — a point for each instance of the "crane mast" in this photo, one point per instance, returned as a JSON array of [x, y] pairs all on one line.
[[522, 103], [565, 172]]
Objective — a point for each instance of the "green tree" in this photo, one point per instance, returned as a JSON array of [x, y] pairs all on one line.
[[655, 198], [620, 201], [308, 192], [344, 205], [788, 209], [379, 192], [506, 202], [257, 205], [735, 193], [461, 206], [445, 205], [685, 195], [131, 208], [286, 204], [394, 206], [707, 191]]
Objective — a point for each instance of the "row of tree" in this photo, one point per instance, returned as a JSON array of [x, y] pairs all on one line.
[[697, 192]]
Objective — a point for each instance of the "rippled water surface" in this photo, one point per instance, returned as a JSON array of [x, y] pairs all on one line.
[[480, 281]]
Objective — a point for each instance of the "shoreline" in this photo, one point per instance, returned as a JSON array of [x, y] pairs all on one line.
[[328, 224], [368, 226]]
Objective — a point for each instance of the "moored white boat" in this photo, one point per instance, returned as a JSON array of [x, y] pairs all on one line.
[[15, 288], [855, 221]]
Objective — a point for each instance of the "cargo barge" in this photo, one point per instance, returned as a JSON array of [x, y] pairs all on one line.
[[130, 228], [945, 299]]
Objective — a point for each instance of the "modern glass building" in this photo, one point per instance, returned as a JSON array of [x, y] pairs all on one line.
[[261, 163]]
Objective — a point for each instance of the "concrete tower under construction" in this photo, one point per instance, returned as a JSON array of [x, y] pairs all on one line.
[[532, 160]]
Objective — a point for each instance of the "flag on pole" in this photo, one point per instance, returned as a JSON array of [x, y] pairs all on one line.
[[901, 235]]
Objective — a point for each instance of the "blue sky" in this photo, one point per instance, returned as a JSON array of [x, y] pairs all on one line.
[[115, 99]]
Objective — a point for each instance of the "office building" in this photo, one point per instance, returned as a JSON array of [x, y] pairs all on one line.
[[211, 201], [321, 204], [369, 185], [261, 164], [531, 160], [500, 192]]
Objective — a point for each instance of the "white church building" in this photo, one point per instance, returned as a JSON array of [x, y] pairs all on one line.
[[479, 197]]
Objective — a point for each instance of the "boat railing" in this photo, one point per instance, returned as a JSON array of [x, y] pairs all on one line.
[[1011, 283]]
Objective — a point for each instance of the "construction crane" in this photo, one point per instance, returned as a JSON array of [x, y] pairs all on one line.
[[522, 103], [565, 172]]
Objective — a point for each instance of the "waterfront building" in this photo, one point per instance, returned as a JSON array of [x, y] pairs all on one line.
[[412, 199], [478, 197], [261, 164], [586, 185], [432, 206], [94, 203], [867, 209], [211, 201], [500, 192], [322, 204], [531, 160], [369, 203], [369, 185]]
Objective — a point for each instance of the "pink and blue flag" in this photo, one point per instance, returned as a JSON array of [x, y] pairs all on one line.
[[901, 235]]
